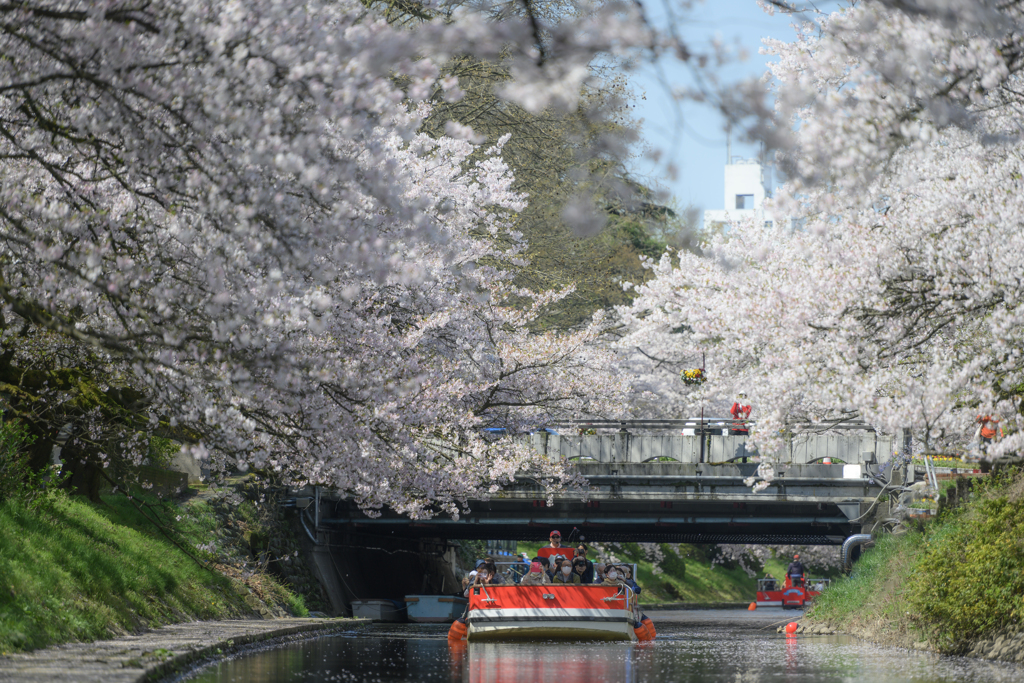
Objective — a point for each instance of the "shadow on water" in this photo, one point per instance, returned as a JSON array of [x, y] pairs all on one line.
[[389, 654]]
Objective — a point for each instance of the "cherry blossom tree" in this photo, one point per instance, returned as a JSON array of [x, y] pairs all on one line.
[[222, 218], [898, 300], [752, 558]]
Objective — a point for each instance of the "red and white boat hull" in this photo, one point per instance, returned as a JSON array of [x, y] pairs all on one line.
[[563, 612], [786, 596]]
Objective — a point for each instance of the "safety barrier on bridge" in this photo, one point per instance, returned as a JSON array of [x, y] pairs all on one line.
[[723, 441]]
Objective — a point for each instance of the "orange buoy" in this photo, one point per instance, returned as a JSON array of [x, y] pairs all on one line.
[[650, 627], [753, 606], [458, 630], [791, 627]]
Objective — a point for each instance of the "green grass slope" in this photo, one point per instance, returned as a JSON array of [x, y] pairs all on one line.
[[71, 570], [958, 581]]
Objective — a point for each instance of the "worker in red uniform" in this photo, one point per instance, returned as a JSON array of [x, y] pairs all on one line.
[[555, 548], [741, 413], [989, 425]]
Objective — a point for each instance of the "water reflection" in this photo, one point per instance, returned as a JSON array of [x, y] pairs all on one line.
[[680, 655]]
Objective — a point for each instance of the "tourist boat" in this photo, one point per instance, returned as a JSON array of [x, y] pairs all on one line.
[[788, 596], [552, 612]]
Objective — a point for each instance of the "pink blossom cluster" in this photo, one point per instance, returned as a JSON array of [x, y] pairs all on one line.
[[752, 558]]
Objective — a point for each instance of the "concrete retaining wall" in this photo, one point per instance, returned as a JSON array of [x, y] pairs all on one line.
[[159, 653]]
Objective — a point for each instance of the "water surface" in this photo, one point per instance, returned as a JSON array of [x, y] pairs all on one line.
[[683, 653]]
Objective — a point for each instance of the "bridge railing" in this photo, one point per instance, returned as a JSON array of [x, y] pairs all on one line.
[[851, 446]]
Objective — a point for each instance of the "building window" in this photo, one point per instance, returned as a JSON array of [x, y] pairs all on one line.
[[744, 201]]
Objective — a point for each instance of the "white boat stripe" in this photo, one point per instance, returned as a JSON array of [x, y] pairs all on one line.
[[549, 612]]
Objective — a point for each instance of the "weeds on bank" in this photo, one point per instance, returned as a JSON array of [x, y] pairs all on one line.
[[958, 581], [873, 598]]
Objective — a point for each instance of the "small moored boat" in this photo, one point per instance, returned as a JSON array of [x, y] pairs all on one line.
[[434, 608]]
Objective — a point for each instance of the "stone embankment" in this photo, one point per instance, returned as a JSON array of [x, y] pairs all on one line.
[[1007, 647], [156, 654], [810, 630]]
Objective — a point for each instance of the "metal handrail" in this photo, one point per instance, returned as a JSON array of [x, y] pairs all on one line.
[[616, 596], [706, 421]]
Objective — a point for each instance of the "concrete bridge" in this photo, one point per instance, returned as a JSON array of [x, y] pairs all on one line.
[[649, 482], [651, 488], [708, 440]]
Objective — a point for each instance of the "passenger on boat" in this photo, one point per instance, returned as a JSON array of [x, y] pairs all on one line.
[[769, 582], [488, 577], [612, 577], [471, 577], [492, 569], [536, 576], [795, 571], [556, 539], [546, 564], [565, 574], [581, 553], [579, 568], [627, 578], [556, 566]]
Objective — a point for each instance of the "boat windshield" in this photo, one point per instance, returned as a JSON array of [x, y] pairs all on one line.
[[765, 585], [513, 572]]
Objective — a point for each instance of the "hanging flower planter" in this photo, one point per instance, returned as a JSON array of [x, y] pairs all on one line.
[[694, 377]]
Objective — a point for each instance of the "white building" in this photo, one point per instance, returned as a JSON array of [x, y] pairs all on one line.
[[747, 185]]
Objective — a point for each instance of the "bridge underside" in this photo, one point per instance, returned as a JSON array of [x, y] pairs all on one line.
[[652, 502]]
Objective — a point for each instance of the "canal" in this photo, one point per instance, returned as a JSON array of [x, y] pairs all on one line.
[[684, 652]]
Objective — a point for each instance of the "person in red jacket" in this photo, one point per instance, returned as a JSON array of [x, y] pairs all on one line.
[[989, 425], [741, 413]]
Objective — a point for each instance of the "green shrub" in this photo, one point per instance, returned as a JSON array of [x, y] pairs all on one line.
[[672, 564], [15, 473], [969, 580], [162, 451]]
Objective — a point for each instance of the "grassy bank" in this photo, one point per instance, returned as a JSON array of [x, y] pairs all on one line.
[[958, 581], [74, 570]]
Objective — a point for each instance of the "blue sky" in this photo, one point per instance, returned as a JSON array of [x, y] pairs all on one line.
[[698, 146]]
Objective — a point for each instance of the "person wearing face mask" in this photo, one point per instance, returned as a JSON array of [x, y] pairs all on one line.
[[627, 577], [612, 576], [565, 574]]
